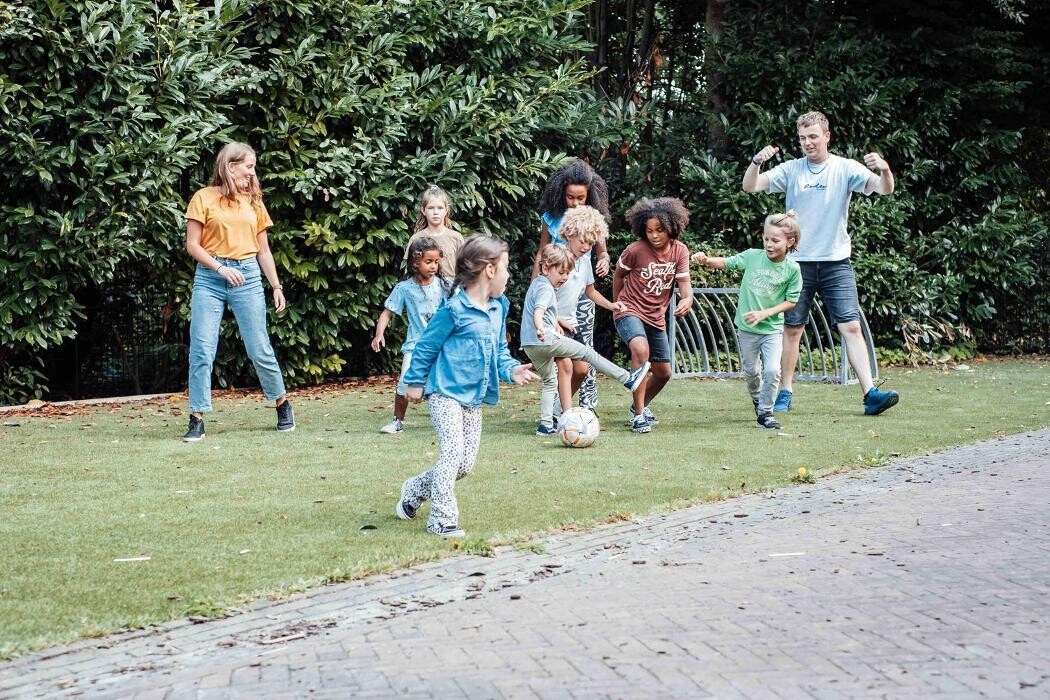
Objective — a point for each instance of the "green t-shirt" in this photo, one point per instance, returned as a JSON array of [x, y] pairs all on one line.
[[765, 285]]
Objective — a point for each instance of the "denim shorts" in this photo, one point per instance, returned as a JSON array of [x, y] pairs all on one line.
[[631, 327], [837, 286]]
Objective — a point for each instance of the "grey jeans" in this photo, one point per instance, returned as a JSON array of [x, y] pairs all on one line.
[[762, 385], [543, 357]]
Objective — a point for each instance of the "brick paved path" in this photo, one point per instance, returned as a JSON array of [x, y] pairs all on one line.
[[924, 578]]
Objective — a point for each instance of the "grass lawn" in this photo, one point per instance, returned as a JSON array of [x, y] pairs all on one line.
[[249, 512]]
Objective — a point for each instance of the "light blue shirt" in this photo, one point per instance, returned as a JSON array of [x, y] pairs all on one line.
[[463, 352], [541, 294], [418, 303], [820, 195], [553, 226]]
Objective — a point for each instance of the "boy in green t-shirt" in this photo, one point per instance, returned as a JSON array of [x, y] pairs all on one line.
[[771, 286]]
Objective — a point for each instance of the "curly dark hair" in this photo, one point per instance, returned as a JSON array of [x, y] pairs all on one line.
[[577, 172], [670, 211], [416, 249]]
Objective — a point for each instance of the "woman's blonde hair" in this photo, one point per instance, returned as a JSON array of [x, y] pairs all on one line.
[[555, 255], [786, 223], [584, 222], [234, 152], [430, 193]]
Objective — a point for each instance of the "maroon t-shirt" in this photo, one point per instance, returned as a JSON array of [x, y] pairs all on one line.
[[650, 280]]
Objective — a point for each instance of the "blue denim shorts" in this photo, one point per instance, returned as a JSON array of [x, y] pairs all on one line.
[[631, 327], [837, 286]]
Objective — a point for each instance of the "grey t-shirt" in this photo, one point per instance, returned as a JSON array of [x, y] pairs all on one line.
[[541, 294], [820, 195]]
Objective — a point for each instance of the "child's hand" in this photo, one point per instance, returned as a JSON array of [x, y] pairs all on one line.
[[378, 342], [567, 327], [541, 334], [602, 268], [876, 162], [414, 394], [619, 306], [683, 306], [278, 300], [523, 374], [753, 318], [699, 259]]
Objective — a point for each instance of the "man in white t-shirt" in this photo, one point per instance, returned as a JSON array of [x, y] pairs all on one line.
[[819, 187]]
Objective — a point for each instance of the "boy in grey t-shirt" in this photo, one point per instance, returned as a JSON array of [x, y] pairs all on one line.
[[551, 353]]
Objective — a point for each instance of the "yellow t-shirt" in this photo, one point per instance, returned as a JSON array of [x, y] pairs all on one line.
[[230, 230], [449, 241]]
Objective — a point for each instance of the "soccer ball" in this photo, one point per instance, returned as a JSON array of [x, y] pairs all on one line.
[[578, 427]]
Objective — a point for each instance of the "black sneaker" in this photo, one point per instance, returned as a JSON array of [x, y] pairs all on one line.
[[766, 420], [446, 531], [404, 510], [285, 417], [196, 430]]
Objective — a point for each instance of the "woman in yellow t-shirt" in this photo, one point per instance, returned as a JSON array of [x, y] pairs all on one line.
[[226, 225]]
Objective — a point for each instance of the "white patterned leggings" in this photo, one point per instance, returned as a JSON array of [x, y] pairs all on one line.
[[458, 429]]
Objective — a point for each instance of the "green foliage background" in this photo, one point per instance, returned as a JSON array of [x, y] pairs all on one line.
[[110, 113]]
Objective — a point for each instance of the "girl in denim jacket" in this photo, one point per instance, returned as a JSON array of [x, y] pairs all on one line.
[[458, 363]]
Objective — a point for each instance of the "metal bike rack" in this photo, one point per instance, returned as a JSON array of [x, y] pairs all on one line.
[[704, 341]]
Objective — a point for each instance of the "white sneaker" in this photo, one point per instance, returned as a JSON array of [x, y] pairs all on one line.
[[394, 426]]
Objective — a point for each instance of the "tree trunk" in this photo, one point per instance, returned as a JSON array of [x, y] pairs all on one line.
[[713, 65]]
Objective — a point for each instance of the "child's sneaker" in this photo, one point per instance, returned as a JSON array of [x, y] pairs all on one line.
[[636, 376], [394, 426], [404, 509], [285, 417], [546, 429], [446, 531], [783, 402], [875, 401], [640, 425], [767, 421], [646, 413], [196, 430]]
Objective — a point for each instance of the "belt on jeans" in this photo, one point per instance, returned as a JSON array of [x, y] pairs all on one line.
[[229, 261]]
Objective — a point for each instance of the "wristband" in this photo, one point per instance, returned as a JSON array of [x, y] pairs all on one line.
[[755, 162], [221, 265], [275, 288]]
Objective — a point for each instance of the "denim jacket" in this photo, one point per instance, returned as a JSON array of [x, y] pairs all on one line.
[[463, 352]]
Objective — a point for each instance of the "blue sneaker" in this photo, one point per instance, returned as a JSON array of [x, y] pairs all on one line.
[[875, 401], [635, 376], [783, 402], [646, 413], [640, 425], [546, 430]]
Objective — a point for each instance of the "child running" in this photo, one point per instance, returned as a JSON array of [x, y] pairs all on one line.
[[572, 185], [771, 286], [645, 276], [418, 297], [548, 349], [461, 358], [435, 220]]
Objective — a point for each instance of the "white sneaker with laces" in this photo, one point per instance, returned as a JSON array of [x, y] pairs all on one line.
[[394, 426]]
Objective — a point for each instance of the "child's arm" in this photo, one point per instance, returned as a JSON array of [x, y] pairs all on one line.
[[601, 254], [426, 351], [753, 318], [537, 321], [618, 277], [703, 259], [510, 370], [685, 296], [545, 238], [384, 320], [599, 299]]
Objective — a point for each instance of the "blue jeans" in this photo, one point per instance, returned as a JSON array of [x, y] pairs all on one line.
[[765, 350], [837, 286], [211, 293], [631, 327]]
